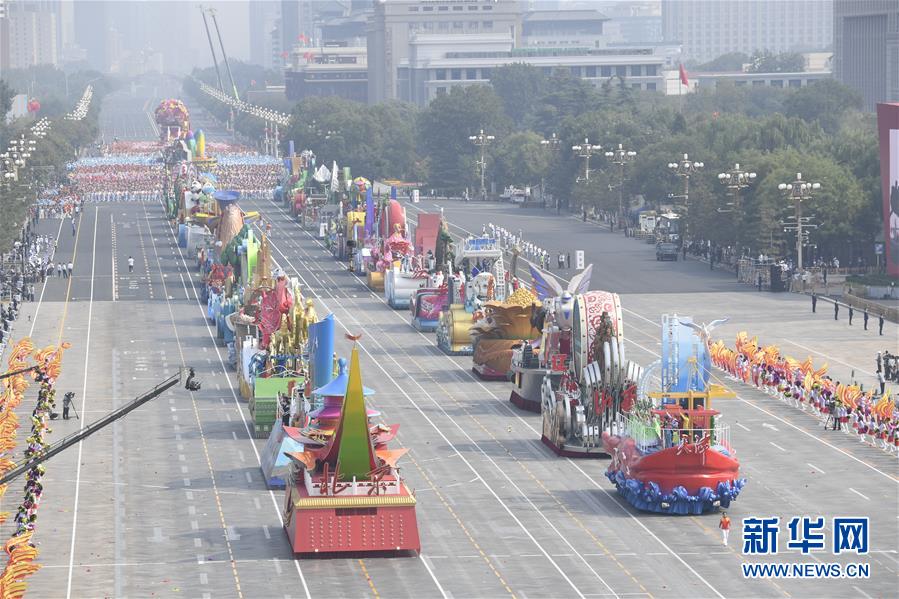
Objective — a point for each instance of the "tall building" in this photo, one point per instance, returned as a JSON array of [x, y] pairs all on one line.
[[263, 14], [31, 34], [393, 23], [91, 29], [707, 29], [866, 48], [290, 24]]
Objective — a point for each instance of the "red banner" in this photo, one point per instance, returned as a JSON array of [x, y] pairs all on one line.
[[888, 127]]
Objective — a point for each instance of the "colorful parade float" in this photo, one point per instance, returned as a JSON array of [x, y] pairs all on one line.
[[172, 119], [387, 243], [345, 493], [413, 271], [498, 328], [574, 370], [671, 453], [482, 258]]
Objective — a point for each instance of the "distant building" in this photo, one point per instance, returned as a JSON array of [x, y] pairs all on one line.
[[263, 14], [779, 80], [92, 24], [707, 30], [437, 63], [349, 29], [866, 48], [563, 28], [329, 71], [393, 23], [30, 32]]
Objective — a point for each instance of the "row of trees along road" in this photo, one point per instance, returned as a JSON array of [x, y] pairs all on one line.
[[817, 130], [47, 165]]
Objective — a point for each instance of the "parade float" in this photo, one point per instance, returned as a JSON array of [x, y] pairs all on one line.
[[672, 453], [574, 371], [497, 329], [412, 273], [172, 120], [346, 495], [482, 257], [387, 243], [428, 302]]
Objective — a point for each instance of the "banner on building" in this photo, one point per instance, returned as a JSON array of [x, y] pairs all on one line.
[[888, 127]]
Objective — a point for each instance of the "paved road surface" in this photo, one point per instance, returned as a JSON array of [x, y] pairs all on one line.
[[169, 501]]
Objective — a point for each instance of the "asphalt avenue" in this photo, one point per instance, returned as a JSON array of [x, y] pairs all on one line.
[[170, 502]]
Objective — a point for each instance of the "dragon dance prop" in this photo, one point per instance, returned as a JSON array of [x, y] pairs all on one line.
[[21, 552]]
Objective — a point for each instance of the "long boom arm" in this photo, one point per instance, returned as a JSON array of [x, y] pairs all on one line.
[[91, 428]]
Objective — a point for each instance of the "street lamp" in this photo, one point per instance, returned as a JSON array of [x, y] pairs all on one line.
[[482, 140], [735, 179], [621, 157], [585, 150], [685, 168], [552, 144], [797, 191]]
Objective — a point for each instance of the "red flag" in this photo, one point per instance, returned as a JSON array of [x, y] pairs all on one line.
[[683, 76]]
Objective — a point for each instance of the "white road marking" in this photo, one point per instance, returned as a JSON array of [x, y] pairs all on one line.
[[777, 446], [504, 404], [816, 468], [265, 531], [87, 348], [474, 471], [859, 494], [743, 427]]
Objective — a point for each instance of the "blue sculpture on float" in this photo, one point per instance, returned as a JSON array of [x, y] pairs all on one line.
[[321, 351]]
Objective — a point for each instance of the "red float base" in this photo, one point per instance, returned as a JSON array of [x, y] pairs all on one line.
[[569, 451], [485, 373], [524, 403], [356, 524]]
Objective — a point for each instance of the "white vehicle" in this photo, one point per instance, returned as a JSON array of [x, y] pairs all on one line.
[[516, 195]]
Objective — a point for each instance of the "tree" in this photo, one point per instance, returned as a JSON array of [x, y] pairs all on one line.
[[446, 124], [767, 62], [732, 61], [521, 160], [825, 101], [520, 87], [6, 96]]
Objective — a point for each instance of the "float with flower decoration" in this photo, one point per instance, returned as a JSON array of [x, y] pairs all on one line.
[[672, 453]]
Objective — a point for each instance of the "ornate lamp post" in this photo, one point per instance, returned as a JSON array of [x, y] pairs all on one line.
[[482, 140], [685, 168], [799, 191], [552, 144], [622, 158], [735, 179]]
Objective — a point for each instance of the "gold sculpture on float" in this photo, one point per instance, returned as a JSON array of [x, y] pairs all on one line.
[[281, 343]]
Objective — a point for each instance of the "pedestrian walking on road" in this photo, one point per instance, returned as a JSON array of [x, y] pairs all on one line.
[[70, 267], [561, 261], [880, 324], [58, 270], [881, 381], [130, 264], [836, 310], [814, 302], [851, 312], [724, 525], [759, 281], [865, 318], [568, 260], [73, 226]]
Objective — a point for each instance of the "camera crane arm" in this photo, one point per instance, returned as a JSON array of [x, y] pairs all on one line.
[[66, 442]]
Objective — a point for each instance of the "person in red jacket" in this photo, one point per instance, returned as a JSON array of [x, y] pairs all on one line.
[[724, 525]]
